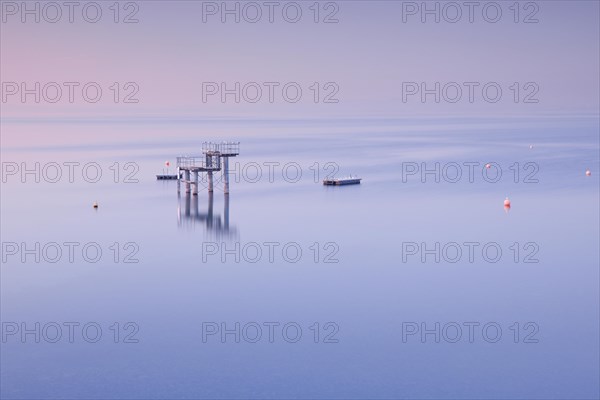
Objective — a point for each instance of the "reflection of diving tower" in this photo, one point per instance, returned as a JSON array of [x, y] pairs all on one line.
[[189, 217], [209, 162]]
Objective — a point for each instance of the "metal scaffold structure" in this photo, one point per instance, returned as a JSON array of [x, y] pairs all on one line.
[[214, 158]]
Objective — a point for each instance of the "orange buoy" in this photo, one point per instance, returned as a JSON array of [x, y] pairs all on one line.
[[507, 202], [588, 173]]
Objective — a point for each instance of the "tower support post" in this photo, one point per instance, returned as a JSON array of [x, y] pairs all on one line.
[[186, 175], [226, 175], [195, 190], [210, 181]]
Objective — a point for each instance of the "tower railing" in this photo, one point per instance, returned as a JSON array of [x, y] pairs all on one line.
[[223, 148], [199, 162]]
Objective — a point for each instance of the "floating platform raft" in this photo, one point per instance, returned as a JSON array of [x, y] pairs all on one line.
[[166, 177], [341, 181]]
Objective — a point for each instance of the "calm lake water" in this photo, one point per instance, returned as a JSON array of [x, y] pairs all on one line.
[[365, 271]]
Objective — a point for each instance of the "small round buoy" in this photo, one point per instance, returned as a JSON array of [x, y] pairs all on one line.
[[95, 205], [531, 146], [506, 202], [167, 163], [588, 173], [488, 165]]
